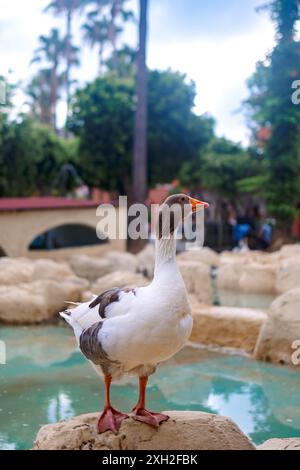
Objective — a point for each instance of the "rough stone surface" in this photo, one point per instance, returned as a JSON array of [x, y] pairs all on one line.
[[122, 260], [93, 268], [289, 251], [185, 430], [228, 275], [249, 277], [227, 327], [281, 329], [37, 301], [260, 257], [197, 279], [232, 257], [49, 269], [119, 279], [258, 278], [145, 261], [15, 270], [288, 274], [19, 270], [203, 255], [292, 443]]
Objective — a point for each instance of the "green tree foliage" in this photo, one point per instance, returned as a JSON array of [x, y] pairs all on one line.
[[223, 167], [30, 158], [103, 119], [175, 134], [227, 168], [271, 106], [125, 65]]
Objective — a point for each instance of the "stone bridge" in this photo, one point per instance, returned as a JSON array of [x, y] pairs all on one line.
[[24, 219]]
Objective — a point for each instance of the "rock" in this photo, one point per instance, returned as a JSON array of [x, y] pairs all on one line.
[[288, 274], [90, 268], [194, 301], [227, 327], [281, 329], [203, 255], [185, 430], [251, 256], [232, 257], [122, 260], [292, 443], [119, 279], [87, 295], [261, 257], [93, 268], [228, 275], [248, 277], [49, 269], [37, 301], [258, 279], [197, 280], [289, 251], [15, 270], [146, 261]]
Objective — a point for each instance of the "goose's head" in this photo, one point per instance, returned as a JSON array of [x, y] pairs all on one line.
[[174, 210]]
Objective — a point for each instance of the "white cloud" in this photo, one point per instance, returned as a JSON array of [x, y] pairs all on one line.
[[220, 69]]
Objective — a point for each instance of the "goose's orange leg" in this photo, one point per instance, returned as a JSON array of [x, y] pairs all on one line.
[[110, 419], [140, 413]]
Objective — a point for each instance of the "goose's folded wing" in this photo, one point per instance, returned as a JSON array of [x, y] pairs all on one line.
[[114, 302], [111, 303]]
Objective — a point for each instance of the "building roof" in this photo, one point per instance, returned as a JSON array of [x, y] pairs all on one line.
[[46, 203]]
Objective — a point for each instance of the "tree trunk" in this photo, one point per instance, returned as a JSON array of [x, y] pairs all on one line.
[[139, 190], [140, 133], [68, 60]]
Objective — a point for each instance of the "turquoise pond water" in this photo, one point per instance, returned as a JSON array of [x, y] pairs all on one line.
[[46, 380]]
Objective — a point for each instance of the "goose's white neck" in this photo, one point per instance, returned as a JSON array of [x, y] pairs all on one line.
[[165, 254]]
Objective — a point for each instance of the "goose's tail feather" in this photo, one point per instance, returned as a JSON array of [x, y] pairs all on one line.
[[81, 316]]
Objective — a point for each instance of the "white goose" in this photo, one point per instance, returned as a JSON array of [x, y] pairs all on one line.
[[130, 331]]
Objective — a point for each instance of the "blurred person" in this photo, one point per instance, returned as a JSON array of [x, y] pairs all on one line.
[[242, 230], [262, 234]]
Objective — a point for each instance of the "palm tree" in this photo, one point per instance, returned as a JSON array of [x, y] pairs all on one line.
[[51, 51], [116, 10], [68, 8], [140, 133], [126, 62], [96, 33], [38, 91]]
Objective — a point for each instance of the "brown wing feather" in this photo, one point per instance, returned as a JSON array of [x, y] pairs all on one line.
[[92, 349], [108, 297]]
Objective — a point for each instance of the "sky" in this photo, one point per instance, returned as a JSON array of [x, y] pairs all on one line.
[[216, 43]]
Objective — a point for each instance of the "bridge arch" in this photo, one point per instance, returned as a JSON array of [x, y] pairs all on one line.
[[20, 227], [2, 252], [66, 236]]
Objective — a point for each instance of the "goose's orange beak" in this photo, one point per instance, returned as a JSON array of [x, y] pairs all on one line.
[[196, 205]]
